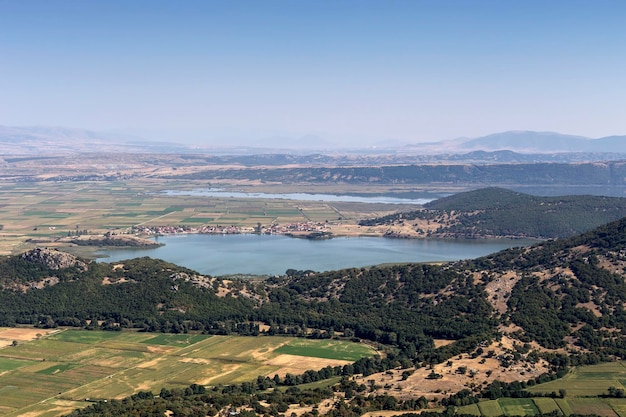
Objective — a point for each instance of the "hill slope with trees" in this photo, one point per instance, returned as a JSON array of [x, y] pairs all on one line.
[[498, 212]]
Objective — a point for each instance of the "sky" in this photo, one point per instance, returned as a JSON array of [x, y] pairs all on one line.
[[346, 72]]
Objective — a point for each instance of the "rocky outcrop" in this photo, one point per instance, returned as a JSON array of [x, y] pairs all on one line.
[[53, 259]]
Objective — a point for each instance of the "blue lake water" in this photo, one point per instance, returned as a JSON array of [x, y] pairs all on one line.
[[273, 255], [219, 193]]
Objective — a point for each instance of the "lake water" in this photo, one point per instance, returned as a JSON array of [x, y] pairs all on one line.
[[219, 193], [273, 255]]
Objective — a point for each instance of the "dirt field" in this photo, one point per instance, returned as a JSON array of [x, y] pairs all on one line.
[[8, 335], [296, 365]]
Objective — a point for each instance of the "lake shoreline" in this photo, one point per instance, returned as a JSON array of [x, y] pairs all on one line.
[[318, 230], [259, 254]]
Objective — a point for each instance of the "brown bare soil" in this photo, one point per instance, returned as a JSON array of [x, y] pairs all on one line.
[[591, 306], [23, 334], [224, 370], [160, 349], [442, 342], [196, 360], [452, 380], [150, 364], [499, 290], [323, 408], [292, 364], [400, 231]]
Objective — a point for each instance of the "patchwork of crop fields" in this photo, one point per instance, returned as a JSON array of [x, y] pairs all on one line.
[[53, 374], [582, 387], [48, 210], [609, 407]]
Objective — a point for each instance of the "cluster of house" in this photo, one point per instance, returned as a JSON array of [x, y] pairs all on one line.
[[177, 230], [306, 227], [273, 229]]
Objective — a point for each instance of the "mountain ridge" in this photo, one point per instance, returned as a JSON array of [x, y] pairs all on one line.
[[544, 142], [55, 139]]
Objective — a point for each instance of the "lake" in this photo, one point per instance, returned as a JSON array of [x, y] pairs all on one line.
[[273, 255], [220, 193]]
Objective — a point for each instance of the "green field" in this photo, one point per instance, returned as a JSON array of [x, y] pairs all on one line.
[[174, 339], [327, 350], [618, 406], [587, 380], [536, 406], [471, 409], [8, 364], [490, 408], [582, 385], [547, 405], [518, 406], [61, 370]]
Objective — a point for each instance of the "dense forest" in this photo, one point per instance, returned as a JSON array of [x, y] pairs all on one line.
[[490, 212], [562, 294]]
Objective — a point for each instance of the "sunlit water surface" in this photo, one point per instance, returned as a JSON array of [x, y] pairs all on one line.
[[273, 255]]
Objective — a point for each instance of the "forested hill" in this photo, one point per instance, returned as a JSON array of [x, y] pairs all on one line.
[[492, 212], [486, 199], [566, 292]]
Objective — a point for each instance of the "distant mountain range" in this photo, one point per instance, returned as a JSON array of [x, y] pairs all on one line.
[[55, 140], [543, 142]]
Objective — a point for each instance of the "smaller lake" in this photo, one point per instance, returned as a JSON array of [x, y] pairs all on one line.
[[273, 255], [219, 193]]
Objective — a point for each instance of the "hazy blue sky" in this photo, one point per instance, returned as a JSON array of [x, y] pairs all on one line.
[[345, 71]]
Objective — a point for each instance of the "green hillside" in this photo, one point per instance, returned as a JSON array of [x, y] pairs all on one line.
[[496, 212]]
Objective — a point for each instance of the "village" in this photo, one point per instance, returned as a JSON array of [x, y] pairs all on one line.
[[291, 229]]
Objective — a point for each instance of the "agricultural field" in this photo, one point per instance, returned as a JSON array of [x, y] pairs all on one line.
[[587, 380], [609, 407], [40, 213], [51, 374], [583, 387]]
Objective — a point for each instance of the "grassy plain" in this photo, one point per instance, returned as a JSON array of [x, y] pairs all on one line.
[[50, 375], [38, 213]]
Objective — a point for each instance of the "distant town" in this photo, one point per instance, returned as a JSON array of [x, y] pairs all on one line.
[[272, 229]]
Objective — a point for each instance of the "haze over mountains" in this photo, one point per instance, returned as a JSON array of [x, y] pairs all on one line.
[[54, 140], [529, 141], [43, 139]]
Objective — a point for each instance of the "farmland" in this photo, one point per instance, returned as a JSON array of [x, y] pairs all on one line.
[[590, 380], [609, 407], [55, 373], [583, 387], [41, 213]]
